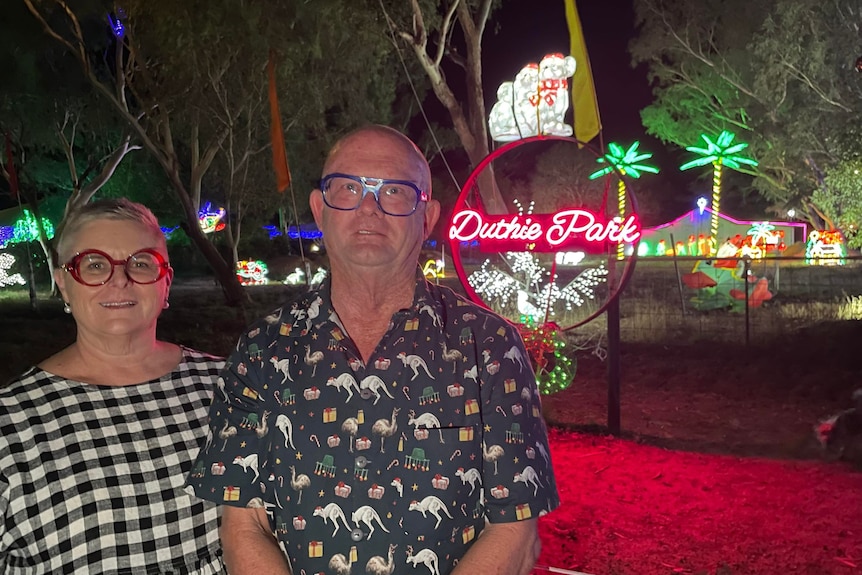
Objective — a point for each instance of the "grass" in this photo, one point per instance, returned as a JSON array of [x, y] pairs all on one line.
[[651, 309]]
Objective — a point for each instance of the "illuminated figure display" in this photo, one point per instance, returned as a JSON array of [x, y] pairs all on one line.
[[535, 103], [502, 123], [251, 272], [6, 263], [524, 99], [825, 248], [691, 233], [553, 101], [721, 152], [211, 221], [626, 162], [720, 284], [434, 269]]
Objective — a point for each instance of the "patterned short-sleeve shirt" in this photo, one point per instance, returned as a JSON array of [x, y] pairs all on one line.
[[91, 477], [385, 465]]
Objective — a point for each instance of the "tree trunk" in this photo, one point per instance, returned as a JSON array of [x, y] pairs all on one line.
[[233, 242], [44, 243], [470, 126], [234, 294]]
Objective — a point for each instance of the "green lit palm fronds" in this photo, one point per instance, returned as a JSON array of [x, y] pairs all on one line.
[[626, 161]]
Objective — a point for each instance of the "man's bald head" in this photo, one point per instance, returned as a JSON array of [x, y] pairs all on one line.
[[354, 141]]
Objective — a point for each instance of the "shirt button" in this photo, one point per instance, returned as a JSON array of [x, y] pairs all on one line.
[[365, 393], [357, 535], [361, 461]]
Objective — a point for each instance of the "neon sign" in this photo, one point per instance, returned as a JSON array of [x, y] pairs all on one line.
[[543, 232], [506, 236]]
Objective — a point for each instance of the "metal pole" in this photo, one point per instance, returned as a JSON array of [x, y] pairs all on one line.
[[678, 280], [614, 425], [746, 266]]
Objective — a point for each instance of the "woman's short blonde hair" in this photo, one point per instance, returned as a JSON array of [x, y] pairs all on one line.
[[106, 209]]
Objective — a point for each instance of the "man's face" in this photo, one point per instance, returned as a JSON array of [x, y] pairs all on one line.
[[366, 239]]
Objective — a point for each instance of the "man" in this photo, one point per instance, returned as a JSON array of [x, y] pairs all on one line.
[[375, 424]]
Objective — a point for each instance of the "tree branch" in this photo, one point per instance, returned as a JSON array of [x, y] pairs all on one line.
[[445, 30], [808, 82]]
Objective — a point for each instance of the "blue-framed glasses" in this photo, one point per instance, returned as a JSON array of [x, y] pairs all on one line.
[[395, 197]]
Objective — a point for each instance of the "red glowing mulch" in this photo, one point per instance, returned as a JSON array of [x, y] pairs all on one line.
[[718, 471], [630, 508]]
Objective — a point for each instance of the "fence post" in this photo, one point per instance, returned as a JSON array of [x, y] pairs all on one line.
[[678, 280], [614, 419], [746, 267]]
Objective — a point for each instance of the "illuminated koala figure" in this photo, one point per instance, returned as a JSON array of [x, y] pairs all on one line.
[[553, 102], [501, 121], [535, 103], [525, 98]]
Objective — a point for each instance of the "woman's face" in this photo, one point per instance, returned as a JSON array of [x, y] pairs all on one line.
[[120, 307]]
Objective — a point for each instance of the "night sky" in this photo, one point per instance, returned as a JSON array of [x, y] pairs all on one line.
[[525, 30], [521, 33]]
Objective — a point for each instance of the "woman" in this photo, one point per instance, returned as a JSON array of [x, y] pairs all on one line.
[[96, 441]]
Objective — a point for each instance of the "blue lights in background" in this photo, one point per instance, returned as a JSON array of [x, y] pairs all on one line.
[[294, 233]]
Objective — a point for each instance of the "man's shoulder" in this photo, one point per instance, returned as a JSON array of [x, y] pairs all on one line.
[[468, 312], [292, 308]]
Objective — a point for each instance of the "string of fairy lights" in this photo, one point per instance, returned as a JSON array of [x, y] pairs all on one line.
[[538, 298], [529, 283], [554, 369]]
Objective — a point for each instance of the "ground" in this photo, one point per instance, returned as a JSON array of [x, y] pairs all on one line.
[[717, 470], [722, 398]]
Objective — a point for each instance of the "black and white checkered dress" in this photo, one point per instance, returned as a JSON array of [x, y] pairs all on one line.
[[91, 477]]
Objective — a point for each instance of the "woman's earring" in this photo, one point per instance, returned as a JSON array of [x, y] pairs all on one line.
[[67, 307], [167, 304]]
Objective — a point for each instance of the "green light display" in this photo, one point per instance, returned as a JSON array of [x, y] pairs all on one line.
[[26, 229], [544, 342], [627, 163], [721, 152]]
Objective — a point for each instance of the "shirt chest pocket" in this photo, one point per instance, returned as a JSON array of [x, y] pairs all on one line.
[[444, 459]]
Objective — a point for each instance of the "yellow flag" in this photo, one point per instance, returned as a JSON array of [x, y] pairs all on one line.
[[585, 105]]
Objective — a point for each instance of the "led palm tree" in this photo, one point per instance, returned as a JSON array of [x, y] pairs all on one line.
[[626, 162], [722, 152]]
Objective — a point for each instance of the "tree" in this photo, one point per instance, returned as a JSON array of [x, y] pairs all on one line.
[[625, 163], [60, 144], [841, 198], [777, 71], [170, 78], [430, 36], [722, 152], [134, 94]]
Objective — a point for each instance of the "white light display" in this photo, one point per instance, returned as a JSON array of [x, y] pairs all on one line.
[[535, 103], [536, 294], [297, 277], [6, 263], [569, 258]]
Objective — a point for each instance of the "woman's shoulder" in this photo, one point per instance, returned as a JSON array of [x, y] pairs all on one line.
[[30, 390], [32, 378], [193, 358]]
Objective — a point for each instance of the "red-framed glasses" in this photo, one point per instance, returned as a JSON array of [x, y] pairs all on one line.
[[95, 267]]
